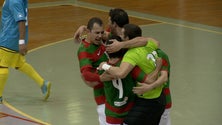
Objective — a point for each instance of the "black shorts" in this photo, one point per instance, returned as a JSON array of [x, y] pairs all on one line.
[[146, 111]]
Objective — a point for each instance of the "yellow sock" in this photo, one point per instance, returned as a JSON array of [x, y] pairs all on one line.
[[3, 78], [30, 71]]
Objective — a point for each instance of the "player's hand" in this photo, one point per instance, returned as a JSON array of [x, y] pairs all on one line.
[[100, 65], [23, 49], [114, 47], [78, 33], [142, 88], [106, 77], [159, 63], [154, 75], [90, 84]]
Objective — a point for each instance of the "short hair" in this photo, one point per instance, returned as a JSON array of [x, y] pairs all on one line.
[[92, 21], [131, 31], [119, 16], [119, 53]]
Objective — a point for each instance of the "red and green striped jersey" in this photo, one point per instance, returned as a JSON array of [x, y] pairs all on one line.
[[166, 66], [119, 95], [90, 56]]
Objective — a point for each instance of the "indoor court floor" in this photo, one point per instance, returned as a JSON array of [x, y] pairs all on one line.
[[194, 49]]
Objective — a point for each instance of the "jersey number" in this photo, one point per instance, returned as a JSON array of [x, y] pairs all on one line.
[[152, 56], [117, 83]]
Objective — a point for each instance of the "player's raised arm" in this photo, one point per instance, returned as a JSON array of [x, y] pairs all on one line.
[[79, 32]]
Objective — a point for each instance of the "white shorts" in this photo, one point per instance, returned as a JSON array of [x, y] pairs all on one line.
[[112, 124], [101, 114], [165, 118]]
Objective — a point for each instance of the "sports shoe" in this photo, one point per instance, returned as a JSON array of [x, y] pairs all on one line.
[[46, 89]]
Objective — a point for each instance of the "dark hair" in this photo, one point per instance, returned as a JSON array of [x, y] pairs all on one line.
[[132, 31], [119, 16], [92, 21], [119, 53]]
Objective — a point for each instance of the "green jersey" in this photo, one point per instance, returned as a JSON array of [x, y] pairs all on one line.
[[120, 97], [90, 56], [144, 57], [166, 67]]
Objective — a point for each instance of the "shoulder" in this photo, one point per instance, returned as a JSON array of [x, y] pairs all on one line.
[[131, 55], [14, 2], [161, 53]]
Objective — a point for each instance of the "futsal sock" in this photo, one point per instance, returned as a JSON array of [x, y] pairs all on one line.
[[31, 72], [3, 78]]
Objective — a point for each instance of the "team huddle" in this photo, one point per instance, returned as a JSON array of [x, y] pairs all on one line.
[[129, 73]]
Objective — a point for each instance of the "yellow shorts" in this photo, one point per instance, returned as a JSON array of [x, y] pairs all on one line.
[[10, 58]]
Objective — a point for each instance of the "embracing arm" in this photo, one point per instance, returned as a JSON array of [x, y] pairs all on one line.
[[138, 42], [151, 77], [118, 72], [135, 42], [106, 77], [147, 87], [92, 82], [79, 32], [90, 76], [161, 79]]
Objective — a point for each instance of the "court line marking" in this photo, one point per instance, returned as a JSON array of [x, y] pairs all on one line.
[[77, 4], [20, 118], [32, 119], [161, 22], [50, 44], [47, 4], [19, 111]]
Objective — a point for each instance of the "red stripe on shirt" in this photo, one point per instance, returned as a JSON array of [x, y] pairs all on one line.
[[166, 91], [100, 100], [120, 110], [113, 120]]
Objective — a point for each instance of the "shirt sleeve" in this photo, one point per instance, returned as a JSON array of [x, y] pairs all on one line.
[[138, 74], [87, 70], [17, 8], [165, 60], [90, 76], [151, 45], [165, 65], [132, 55]]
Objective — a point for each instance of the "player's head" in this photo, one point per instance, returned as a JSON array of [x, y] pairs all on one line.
[[130, 31], [119, 53], [95, 30], [118, 16], [117, 19]]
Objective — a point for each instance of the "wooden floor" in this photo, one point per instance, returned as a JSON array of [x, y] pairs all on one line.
[[62, 26], [207, 12], [46, 28]]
